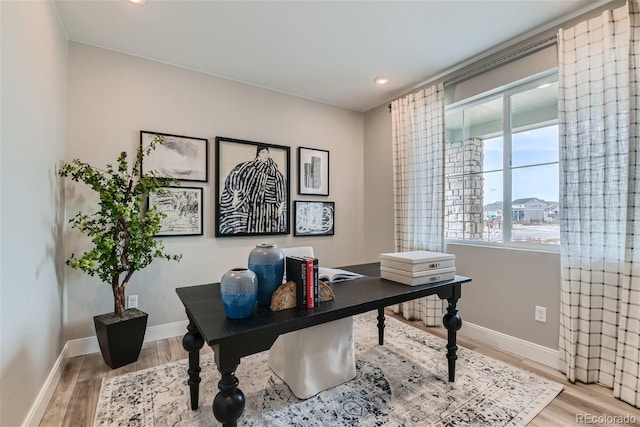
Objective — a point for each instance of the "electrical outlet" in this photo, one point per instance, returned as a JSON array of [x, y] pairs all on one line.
[[132, 301], [541, 314]]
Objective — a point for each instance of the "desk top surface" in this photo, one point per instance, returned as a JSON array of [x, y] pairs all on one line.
[[203, 303]]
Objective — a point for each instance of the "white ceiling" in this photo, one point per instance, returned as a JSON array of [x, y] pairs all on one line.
[[328, 51]]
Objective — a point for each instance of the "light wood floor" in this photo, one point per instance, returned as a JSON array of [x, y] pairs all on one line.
[[76, 396]]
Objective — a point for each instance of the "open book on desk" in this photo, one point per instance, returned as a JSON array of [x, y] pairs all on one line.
[[333, 275]]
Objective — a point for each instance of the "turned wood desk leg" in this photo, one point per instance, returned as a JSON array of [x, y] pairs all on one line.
[[193, 342], [381, 326], [228, 404], [453, 322]]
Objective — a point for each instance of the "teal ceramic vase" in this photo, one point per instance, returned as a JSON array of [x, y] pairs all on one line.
[[267, 262], [239, 290]]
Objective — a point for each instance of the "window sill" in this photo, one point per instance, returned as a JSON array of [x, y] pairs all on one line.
[[527, 247]]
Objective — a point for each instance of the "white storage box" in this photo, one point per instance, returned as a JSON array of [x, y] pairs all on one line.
[[419, 277], [417, 260]]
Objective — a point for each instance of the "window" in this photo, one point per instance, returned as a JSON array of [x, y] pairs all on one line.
[[501, 171]]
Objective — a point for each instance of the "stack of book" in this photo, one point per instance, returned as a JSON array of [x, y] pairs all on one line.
[[417, 267], [304, 272]]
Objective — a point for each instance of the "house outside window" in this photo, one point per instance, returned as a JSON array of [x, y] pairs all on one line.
[[501, 166]]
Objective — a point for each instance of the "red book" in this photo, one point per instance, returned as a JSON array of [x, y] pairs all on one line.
[[310, 286], [316, 284]]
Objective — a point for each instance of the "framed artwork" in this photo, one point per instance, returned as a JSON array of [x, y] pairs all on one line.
[[313, 171], [183, 209], [180, 157], [314, 218], [252, 188]]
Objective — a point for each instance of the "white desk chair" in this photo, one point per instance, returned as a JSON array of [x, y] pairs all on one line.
[[315, 358]]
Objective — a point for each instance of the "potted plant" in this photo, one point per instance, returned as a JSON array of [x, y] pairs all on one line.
[[122, 233]]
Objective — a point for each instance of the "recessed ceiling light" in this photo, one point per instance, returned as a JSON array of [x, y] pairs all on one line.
[[138, 1], [381, 80]]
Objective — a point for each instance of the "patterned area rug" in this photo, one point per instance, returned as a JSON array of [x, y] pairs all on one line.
[[403, 383]]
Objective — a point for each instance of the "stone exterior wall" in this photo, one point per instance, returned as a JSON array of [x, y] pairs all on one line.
[[464, 189]]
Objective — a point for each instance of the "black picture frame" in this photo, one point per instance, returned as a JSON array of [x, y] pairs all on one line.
[[183, 207], [313, 171], [184, 158], [314, 218], [252, 188]]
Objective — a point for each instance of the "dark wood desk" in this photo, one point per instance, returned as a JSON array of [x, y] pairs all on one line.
[[233, 339]]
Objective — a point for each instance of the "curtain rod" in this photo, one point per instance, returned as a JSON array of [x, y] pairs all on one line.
[[545, 38], [504, 59], [538, 42], [467, 73]]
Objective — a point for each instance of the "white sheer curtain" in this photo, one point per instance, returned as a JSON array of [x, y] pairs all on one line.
[[600, 201], [418, 170]]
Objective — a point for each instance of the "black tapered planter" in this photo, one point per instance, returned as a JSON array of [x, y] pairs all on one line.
[[120, 339]]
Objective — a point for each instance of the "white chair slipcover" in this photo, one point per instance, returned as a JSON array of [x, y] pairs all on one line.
[[315, 358]]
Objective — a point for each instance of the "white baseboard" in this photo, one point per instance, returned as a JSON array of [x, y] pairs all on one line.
[[538, 353], [168, 330], [80, 347], [34, 416], [88, 345]]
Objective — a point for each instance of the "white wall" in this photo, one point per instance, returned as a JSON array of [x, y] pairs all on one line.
[[113, 96], [378, 173], [507, 285], [34, 117]]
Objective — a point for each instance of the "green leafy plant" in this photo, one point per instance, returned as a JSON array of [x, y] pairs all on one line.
[[122, 232]]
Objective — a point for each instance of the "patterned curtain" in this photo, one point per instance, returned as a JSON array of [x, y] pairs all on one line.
[[418, 174], [600, 201]]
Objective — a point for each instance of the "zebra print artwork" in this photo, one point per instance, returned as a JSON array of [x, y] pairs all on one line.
[[253, 198]]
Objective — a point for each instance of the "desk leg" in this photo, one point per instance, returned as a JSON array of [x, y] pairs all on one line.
[[453, 322], [381, 326], [193, 342], [228, 404]]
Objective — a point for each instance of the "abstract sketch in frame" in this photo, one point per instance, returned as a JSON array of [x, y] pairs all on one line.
[[183, 209], [314, 218], [252, 188], [180, 157], [313, 172]]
